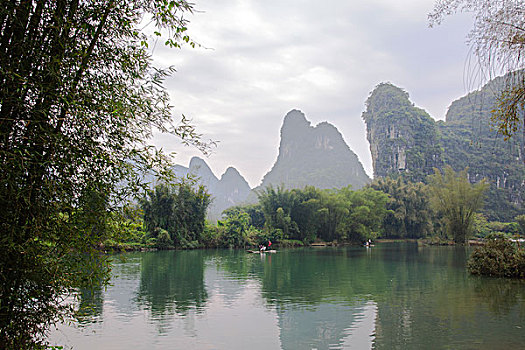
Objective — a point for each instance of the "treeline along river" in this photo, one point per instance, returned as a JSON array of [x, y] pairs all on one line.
[[391, 296]]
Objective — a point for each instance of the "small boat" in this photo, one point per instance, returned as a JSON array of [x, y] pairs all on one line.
[[262, 251]]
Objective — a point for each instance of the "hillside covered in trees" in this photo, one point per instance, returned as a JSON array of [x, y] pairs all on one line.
[[405, 141]]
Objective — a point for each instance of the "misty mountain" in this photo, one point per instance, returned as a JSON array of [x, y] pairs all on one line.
[[231, 189], [308, 156], [314, 156]]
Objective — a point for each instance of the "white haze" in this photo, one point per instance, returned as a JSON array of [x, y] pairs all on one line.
[[260, 59]]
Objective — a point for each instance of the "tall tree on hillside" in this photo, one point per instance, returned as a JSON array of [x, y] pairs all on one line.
[[498, 42], [457, 200], [79, 98]]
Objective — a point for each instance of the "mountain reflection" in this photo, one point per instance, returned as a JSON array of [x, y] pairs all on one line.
[[397, 296], [327, 326]]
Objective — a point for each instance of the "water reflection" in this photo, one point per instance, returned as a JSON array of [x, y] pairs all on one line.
[[327, 326], [436, 304], [389, 297], [172, 282], [90, 305]]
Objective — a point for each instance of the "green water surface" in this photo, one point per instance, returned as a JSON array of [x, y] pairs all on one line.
[[391, 296]]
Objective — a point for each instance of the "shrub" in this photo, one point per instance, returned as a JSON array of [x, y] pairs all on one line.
[[499, 257], [290, 243], [498, 235], [163, 239]]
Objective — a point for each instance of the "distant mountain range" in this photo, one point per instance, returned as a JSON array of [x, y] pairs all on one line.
[[404, 140], [308, 156], [231, 189]]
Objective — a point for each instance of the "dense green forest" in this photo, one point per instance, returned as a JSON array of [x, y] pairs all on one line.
[[446, 209], [405, 141]]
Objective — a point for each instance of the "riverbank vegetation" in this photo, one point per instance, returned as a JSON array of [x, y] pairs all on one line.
[[173, 216], [444, 211], [498, 257], [79, 98]]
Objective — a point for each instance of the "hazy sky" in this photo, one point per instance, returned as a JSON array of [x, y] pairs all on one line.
[[263, 58]]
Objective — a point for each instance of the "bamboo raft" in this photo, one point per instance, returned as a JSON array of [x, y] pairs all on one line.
[[262, 251]]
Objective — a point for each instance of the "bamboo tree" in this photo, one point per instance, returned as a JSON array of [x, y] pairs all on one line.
[[79, 98], [457, 200]]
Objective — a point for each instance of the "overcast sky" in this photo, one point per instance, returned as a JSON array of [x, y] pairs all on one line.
[[263, 58]]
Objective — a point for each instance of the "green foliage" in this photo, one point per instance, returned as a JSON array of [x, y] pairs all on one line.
[[510, 228], [366, 210], [277, 205], [310, 214], [494, 229], [79, 98], [234, 231], [498, 257], [480, 226], [210, 236], [253, 210], [409, 214], [179, 209], [403, 138], [290, 243], [496, 235], [406, 142], [236, 228], [126, 228], [164, 240], [457, 200], [469, 140], [497, 39], [520, 219]]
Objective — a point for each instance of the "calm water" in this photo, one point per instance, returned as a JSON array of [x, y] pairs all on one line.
[[392, 296]]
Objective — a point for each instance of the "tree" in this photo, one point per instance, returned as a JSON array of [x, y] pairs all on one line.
[[307, 213], [277, 205], [236, 228], [178, 210], [253, 210], [330, 215], [457, 200], [409, 214], [520, 219], [498, 42], [79, 98], [366, 211]]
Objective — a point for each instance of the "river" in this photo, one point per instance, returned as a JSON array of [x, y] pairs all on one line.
[[391, 296]]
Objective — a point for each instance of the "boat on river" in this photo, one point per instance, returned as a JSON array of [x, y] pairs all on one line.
[[262, 251]]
